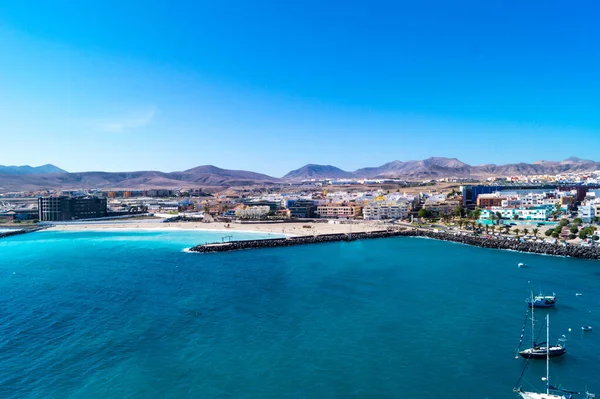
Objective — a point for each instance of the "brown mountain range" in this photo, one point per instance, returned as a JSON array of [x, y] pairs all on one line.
[[51, 177]]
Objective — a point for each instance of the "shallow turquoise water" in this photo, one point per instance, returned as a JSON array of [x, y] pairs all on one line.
[[129, 315]]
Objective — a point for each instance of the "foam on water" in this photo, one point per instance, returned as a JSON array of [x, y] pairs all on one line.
[[128, 314]]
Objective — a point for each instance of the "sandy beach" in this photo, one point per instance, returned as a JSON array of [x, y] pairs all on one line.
[[294, 229]]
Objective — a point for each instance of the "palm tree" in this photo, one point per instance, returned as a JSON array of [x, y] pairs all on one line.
[[506, 228], [487, 229], [493, 228], [517, 231], [479, 226], [525, 232], [460, 223], [535, 232]]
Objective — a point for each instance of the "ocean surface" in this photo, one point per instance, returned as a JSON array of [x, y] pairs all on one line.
[[130, 315]]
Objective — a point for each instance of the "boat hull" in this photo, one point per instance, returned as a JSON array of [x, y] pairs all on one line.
[[540, 353], [542, 303]]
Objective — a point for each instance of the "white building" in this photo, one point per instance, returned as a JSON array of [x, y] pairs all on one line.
[[378, 210], [586, 213], [252, 212], [536, 213]]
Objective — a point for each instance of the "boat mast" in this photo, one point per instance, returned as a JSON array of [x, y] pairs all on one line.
[[532, 323], [547, 354]]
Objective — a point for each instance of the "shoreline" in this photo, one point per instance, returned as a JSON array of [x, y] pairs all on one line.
[[297, 233]]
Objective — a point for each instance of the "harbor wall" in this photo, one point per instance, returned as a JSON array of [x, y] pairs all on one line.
[[20, 231], [506, 243]]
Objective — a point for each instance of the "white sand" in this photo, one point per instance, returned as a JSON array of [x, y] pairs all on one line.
[[275, 228]]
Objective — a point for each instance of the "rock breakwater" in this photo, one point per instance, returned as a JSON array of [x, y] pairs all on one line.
[[508, 243]]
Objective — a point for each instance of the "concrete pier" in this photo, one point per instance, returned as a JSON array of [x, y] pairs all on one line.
[[538, 247]]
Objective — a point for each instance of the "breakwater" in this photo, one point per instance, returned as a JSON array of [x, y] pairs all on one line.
[[19, 231], [507, 243]]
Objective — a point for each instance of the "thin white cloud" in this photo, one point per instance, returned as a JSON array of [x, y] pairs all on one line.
[[129, 122]]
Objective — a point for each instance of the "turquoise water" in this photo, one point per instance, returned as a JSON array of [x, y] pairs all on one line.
[[129, 315]]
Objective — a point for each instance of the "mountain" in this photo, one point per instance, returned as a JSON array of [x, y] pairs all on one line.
[[31, 170], [438, 167], [26, 178], [312, 171], [202, 176]]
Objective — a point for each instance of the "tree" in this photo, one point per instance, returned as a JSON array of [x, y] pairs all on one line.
[[557, 208], [548, 232], [487, 229], [595, 237], [555, 234], [461, 222], [525, 232], [516, 217], [479, 226], [563, 222], [516, 231], [572, 236], [577, 221], [535, 232], [574, 229], [493, 228], [424, 213], [506, 228], [498, 215]]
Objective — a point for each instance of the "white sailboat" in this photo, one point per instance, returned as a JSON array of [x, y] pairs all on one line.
[[551, 392]]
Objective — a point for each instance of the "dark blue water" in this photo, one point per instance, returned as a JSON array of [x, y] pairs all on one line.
[[129, 315]]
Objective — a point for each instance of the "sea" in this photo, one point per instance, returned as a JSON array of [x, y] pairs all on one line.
[[130, 314]]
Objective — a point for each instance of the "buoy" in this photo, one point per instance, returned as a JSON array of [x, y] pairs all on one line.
[[569, 330]]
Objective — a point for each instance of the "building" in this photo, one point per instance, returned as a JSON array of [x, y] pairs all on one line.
[[444, 207], [379, 210], [540, 213], [339, 211], [253, 212], [586, 213], [303, 209], [53, 209], [489, 200]]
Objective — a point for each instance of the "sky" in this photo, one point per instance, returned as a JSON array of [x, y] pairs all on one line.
[[269, 86]]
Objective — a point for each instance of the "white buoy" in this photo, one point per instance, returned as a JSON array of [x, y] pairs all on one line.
[[569, 330]]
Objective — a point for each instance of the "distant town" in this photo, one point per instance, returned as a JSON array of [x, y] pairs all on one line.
[[562, 207]]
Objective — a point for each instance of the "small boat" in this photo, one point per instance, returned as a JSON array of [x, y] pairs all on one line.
[[542, 301], [578, 294], [522, 265], [586, 328]]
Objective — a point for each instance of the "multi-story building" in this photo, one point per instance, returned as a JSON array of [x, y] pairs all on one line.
[[54, 209], [252, 212], [338, 211], [378, 210], [586, 212], [303, 209], [443, 207], [530, 213], [489, 200]]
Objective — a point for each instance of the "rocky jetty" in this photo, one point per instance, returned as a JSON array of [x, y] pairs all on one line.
[[19, 231], [538, 247]]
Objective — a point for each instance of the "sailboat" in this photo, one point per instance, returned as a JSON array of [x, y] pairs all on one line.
[[542, 349], [542, 301], [551, 391]]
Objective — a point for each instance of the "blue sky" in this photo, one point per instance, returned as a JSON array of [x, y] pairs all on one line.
[[270, 85]]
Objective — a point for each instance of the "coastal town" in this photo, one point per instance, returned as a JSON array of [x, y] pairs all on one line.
[[557, 209]]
